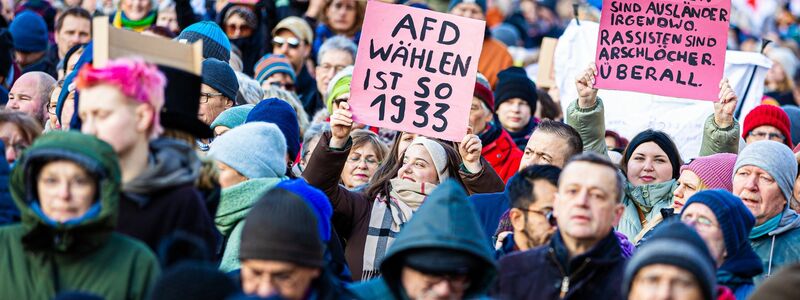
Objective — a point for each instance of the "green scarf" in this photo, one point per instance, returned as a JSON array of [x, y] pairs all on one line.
[[235, 202], [122, 21], [767, 227]]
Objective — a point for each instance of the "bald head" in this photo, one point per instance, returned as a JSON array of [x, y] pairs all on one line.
[[30, 93]]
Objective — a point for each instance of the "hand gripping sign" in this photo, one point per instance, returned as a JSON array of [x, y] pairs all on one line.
[[670, 48], [415, 70]]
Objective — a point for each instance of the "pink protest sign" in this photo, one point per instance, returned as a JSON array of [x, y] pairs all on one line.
[[245, 2], [415, 70], [670, 48]]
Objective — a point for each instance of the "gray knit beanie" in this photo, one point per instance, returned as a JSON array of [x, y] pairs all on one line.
[[256, 150], [774, 158]]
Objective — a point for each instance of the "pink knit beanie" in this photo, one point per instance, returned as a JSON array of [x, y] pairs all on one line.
[[715, 171]]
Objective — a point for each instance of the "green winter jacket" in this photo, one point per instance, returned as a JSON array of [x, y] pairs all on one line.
[[235, 202], [42, 258], [590, 124], [447, 220]]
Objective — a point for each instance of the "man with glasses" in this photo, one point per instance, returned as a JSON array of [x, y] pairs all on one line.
[[334, 55], [531, 192], [583, 259], [763, 179], [292, 37], [724, 223], [767, 122], [438, 254], [30, 94], [217, 93]]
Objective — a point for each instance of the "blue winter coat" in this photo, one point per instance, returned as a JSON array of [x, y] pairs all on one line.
[[8, 211], [490, 207]]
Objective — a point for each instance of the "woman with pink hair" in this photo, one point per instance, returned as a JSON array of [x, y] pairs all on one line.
[[120, 104]]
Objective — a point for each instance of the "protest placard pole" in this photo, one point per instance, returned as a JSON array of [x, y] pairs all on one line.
[[738, 111]]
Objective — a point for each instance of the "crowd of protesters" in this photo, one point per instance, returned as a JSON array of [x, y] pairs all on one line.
[[252, 180]]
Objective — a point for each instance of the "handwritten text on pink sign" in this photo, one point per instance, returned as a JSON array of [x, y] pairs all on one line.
[[663, 47], [415, 70]]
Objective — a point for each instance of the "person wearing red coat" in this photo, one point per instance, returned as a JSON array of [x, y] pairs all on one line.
[[498, 147]]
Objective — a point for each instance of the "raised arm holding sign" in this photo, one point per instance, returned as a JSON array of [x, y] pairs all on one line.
[[415, 70], [663, 47]]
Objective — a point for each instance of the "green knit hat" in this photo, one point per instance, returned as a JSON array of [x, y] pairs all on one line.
[[339, 85], [233, 116]]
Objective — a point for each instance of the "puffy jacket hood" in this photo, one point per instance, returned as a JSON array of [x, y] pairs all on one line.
[[446, 220], [85, 233]]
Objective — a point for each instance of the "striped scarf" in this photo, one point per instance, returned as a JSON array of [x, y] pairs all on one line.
[[387, 218]]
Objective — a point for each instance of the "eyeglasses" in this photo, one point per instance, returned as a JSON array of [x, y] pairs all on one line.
[[279, 279], [547, 214], [243, 29], [204, 96], [328, 67], [698, 222], [371, 162], [456, 282], [279, 41], [285, 86], [767, 135]]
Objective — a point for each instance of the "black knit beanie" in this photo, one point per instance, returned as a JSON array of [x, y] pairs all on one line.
[[282, 227], [514, 83], [193, 280], [663, 141], [675, 244]]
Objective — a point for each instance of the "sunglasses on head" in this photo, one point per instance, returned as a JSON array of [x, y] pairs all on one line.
[[279, 41]]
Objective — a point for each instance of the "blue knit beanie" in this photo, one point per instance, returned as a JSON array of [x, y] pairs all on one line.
[[793, 112], [315, 199], [233, 117], [256, 150], [215, 42], [220, 76], [29, 32], [278, 112], [736, 222], [481, 3]]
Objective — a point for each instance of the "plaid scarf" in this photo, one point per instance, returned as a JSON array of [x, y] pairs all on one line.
[[387, 218]]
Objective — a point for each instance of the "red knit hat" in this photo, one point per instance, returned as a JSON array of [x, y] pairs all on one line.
[[485, 94], [768, 115]]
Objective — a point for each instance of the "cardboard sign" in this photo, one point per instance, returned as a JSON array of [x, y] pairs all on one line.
[[545, 77], [671, 48], [111, 43], [415, 70]]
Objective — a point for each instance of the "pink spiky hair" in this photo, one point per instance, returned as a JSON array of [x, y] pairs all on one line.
[[139, 81]]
